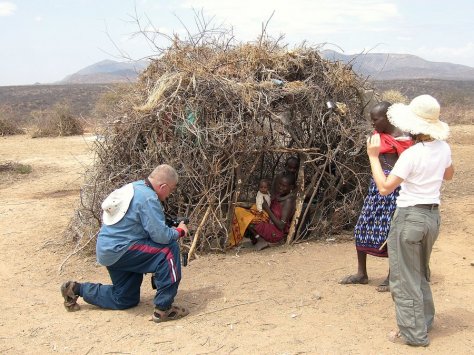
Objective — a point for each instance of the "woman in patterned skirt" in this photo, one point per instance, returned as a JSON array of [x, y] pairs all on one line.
[[373, 225]]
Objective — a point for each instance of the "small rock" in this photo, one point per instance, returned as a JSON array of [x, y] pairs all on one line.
[[472, 263], [316, 295]]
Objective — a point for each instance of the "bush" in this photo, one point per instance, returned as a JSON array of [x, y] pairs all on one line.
[[56, 122], [8, 129], [110, 103], [16, 168], [8, 126], [394, 96]]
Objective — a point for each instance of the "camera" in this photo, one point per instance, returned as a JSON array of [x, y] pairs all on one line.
[[173, 221]]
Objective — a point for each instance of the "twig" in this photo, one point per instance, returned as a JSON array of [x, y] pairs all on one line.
[[233, 306], [299, 203], [196, 235], [74, 253], [213, 351]]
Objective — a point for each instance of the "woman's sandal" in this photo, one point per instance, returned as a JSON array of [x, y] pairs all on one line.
[[70, 299], [175, 312]]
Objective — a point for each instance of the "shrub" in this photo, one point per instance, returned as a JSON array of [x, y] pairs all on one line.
[[8, 129], [8, 126], [16, 168], [56, 122], [394, 96]]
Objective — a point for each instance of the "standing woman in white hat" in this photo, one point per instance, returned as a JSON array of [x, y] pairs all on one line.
[[420, 171]]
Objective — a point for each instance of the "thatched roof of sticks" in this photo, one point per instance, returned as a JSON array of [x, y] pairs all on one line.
[[225, 116]]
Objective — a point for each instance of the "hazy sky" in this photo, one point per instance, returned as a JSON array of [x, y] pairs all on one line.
[[45, 40]]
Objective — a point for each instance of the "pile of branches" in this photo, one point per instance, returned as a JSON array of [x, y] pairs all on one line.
[[226, 115]]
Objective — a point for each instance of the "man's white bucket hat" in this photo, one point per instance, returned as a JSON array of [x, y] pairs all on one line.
[[116, 204]]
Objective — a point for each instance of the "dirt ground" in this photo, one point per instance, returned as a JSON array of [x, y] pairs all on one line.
[[282, 300]]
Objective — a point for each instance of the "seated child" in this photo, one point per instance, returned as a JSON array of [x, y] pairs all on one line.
[[262, 194]]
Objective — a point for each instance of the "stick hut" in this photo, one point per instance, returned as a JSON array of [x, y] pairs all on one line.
[[226, 116]]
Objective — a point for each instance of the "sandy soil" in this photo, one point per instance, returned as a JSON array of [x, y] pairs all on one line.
[[283, 300]]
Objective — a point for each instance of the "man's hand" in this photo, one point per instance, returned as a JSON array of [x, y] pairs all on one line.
[[373, 146], [184, 228]]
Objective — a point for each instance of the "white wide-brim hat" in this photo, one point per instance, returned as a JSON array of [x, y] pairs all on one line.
[[115, 206], [420, 116]]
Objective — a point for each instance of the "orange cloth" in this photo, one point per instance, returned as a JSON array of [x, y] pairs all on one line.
[[241, 220]]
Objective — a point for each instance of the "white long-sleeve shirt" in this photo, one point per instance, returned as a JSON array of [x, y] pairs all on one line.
[[259, 200]]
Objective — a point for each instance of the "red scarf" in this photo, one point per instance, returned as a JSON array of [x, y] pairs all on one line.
[[388, 144]]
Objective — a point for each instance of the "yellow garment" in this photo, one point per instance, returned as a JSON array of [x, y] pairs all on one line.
[[241, 220]]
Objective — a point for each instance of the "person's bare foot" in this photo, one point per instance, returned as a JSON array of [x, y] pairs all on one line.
[[354, 279], [384, 286], [261, 244], [395, 337]]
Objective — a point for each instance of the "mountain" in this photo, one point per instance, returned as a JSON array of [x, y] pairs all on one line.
[[376, 66], [107, 71], [391, 66]]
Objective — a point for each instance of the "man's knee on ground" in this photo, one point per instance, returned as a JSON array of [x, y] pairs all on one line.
[[126, 302], [126, 299]]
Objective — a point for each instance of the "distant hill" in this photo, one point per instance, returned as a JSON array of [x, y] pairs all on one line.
[[390, 66], [22, 100], [107, 71], [376, 66]]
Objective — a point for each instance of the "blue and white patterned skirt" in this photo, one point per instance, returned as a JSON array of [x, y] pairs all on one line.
[[373, 224]]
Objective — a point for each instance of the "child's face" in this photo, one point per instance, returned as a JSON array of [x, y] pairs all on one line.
[[292, 166], [263, 187]]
